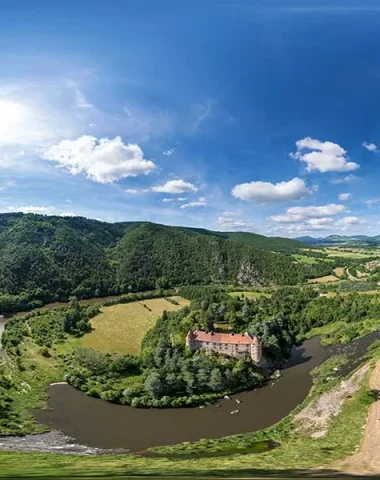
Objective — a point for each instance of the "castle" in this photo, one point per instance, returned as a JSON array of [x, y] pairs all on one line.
[[231, 344]]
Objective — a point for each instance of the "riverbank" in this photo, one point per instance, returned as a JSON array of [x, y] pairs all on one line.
[[136, 429], [124, 428], [295, 456]]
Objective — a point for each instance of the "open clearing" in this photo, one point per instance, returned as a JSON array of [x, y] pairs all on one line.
[[339, 271], [326, 279], [367, 460], [121, 328], [305, 259]]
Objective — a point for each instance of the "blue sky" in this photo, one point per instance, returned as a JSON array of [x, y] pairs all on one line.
[[249, 115]]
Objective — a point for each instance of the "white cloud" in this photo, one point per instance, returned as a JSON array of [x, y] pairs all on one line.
[[371, 147], [285, 218], [347, 179], [301, 214], [103, 160], [80, 99], [68, 214], [319, 222], [175, 187], [304, 220], [317, 212], [352, 221], [266, 192], [323, 157], [372, 201], [201, 113], [136, 191], [168, 152], [343, 197], [232, 221], [50, 210], [171, 200], [310, 225], [37, 209], [201, 202]]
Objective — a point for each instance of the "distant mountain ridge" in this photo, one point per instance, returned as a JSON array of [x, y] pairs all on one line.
[[341, 240]]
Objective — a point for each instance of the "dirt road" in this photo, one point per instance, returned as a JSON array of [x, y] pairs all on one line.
[[367, 460]]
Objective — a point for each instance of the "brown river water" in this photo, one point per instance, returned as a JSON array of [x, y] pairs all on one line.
[[99, 424]]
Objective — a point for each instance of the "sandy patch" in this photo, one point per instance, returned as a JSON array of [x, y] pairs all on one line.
[[316, 417]]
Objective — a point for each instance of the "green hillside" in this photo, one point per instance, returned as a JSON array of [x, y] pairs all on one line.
[[274, 244], [43, 259]]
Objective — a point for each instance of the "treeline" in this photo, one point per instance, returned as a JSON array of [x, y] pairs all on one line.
[[47, 259]]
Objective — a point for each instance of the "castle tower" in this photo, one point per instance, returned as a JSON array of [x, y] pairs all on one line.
[[256, 350], [191, 341]]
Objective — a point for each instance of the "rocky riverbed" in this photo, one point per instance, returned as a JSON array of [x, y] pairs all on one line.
[[52, 442]]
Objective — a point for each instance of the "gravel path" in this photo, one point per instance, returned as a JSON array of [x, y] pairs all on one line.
[[367, 460]]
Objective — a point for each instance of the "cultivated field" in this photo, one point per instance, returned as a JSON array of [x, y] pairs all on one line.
[[121, 328], [357, 253]]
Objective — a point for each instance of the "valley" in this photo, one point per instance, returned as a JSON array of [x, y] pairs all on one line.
[[112, 374]]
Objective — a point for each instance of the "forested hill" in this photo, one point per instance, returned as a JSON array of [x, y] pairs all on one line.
[[273, 244], [50, 258]]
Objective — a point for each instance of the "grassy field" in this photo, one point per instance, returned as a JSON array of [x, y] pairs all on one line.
[[339, 271], [342, 332], [31, 376], [251, 294], [121, 328], [326, 279], [357, 253], [305, 259]]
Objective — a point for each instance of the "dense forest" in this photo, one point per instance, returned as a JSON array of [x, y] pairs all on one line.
[[44, 259]]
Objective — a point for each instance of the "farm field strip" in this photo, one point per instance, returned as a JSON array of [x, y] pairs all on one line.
[[121, 328]]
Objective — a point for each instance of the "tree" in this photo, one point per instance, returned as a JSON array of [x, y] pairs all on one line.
[[153, 384], [216, 380]]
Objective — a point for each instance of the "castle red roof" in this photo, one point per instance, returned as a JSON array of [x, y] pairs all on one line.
[[230, 338]]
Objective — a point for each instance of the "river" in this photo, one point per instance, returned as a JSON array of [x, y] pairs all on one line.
[[104, 425], [84, 425]]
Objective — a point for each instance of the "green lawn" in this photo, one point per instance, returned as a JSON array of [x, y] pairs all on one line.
[[121, 328]]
